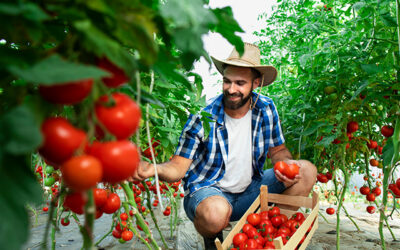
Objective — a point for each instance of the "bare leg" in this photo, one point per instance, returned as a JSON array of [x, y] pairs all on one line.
[[212, 216]]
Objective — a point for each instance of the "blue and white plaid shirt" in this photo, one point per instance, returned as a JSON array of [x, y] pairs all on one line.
[[210, 154]]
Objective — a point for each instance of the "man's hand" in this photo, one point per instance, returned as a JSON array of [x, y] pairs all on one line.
[[144, 171], [286, 181]]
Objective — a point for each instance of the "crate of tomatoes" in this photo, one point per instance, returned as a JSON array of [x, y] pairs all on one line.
[[272, 227]]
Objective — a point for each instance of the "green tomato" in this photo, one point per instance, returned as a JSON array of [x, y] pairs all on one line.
[[49, 169], [329, 90], [121, 241], [48, 182], [333, 96]]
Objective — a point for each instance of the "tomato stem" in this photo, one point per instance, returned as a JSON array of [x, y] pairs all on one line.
[[87, 229]]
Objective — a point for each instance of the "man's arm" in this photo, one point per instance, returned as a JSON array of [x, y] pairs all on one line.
[[279, 153], [171, 171]]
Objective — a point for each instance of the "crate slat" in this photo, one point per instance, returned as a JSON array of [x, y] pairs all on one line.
[[298, 201]]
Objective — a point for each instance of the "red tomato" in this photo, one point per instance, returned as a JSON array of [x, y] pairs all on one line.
[[67, 93], [276, 220], [61, 140], [254, 219], [99, 213], [246, 228], [394, 189], [372, 144], [284, 218], [284, 230], [252, 244], [352, 127], [65, 221], [364, 190], [398, 183], [377, 191], [167, 212], [75, 202], [117, 77], [280, 166], [121, 119], [116, 234], [295, 226], [322, 178], [45, 209], [121, 226], [330, 210], [118, 158], [371, 209], [284, 236], [374, 162], [260, 240], [291, 171], [112, 204], [370, 197], [100, 197], [298, 216], [269, 245], [264, 215], [252, 232], [387, 131], [274, 211], [81, 172], [328, 175], [239, 238], [123, 216], [127, 235]]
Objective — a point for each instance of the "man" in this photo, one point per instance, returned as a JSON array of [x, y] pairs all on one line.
[[222, 172]]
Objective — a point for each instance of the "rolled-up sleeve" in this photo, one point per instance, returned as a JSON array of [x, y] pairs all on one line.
[[191, 136]]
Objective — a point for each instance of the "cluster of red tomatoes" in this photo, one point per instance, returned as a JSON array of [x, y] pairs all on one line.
[[67, 147], [262, 228]]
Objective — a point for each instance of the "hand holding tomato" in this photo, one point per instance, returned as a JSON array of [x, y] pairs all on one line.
[[287, 172], [144, 171]]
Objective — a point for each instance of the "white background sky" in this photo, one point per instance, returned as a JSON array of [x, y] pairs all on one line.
[[246, 13]]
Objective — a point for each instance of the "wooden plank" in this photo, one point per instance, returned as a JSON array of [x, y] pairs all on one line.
[[218, 244], [264, 198], [297, 201], [310, 235], [298, 235], [228, 241], [278, 243]]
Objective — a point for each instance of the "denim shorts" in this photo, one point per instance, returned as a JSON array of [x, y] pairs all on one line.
[[239, 202]]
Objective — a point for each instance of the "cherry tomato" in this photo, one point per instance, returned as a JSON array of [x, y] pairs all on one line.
[[118, 158], [254, 219], [117, 77], [61, 140], [123, 216], [370, 197], [322, 178], [352, 127], [75, 202], [371, 209], [81, 172], [112, 204], [167, 212], [100, 197], [364, 190], [239, 238], [67, 93], [377, 191], [127, 235], [330, 210], [387, 131], [121, 119], [116, 234], [65, 221], [45, 209]]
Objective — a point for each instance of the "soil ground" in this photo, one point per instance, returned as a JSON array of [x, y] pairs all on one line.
[[186, 237]]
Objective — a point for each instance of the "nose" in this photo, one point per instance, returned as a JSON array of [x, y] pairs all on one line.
[[232, 88]]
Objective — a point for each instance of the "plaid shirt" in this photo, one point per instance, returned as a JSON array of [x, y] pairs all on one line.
[[210, 154]]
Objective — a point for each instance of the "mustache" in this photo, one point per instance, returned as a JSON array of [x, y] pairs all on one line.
[[226, 93]]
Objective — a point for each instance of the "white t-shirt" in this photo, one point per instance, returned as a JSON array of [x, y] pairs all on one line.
[[238, 169]]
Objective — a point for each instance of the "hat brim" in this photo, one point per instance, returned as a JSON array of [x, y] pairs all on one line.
[[269, 72]]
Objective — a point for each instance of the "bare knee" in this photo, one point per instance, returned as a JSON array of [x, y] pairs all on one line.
[[212, 215], [308, 173]]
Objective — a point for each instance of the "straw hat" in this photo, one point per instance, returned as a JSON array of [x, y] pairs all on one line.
[[250, 58]]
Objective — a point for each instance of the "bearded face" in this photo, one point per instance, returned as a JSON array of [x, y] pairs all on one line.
[[236, 100]]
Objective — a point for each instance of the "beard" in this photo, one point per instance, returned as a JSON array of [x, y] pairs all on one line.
[[235, 104]]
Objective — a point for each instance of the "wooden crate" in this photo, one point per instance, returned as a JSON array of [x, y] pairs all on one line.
[[261, 204]]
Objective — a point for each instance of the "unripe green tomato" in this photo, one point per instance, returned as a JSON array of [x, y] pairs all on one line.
[[49, 169], [121, 241], [48, 182], [329, 90], [380, 107], [333, 96]]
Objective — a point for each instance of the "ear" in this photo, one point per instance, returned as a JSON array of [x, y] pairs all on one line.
[[256, 82]]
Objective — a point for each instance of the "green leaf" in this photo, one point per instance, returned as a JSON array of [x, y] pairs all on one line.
[[326, 141], [18, 187], [388, 20], [388, 152], [227, 26], [371, 68], [313, 128], [20, 130], [55, 70], [30, 11], [359, 90]]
